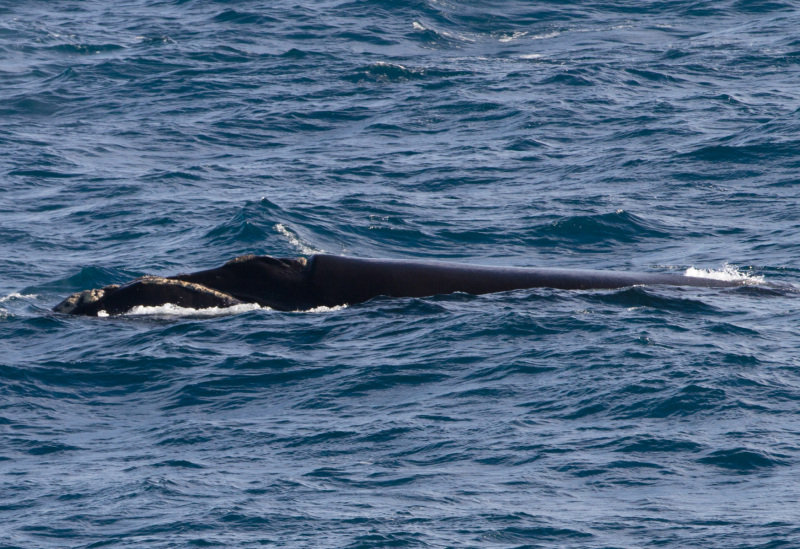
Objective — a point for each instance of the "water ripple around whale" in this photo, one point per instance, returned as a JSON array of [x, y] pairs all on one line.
[[626, 136]]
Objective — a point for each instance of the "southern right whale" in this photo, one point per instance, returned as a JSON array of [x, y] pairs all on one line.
[[292, 284]]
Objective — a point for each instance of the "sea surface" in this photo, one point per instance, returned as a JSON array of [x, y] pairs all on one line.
[[157, 137]]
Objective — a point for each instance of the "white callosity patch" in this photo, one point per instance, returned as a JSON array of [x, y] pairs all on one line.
[[82, 298], [151, 279]]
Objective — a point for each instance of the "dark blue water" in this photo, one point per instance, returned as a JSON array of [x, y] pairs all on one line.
[[169, 136]]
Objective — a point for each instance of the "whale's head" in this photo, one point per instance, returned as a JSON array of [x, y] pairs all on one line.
[[278, 283], [148, 291], [82, 303]]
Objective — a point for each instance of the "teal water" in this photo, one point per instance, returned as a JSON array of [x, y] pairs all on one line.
[[170, 136]]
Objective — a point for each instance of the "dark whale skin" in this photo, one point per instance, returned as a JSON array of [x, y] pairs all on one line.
[[337, 280], [292, 284]]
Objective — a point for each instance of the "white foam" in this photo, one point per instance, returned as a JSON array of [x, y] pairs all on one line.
[[295, 241], [514, 36], [169, 309], [728, 272], [17, 295], [392, 65], [324, 309]]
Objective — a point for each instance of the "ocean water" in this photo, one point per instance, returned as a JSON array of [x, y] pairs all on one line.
[[170, 136]]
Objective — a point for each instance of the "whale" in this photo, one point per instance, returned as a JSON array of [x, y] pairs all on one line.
[[323, 280]]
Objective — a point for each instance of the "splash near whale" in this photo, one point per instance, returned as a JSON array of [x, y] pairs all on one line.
[[296, 284]]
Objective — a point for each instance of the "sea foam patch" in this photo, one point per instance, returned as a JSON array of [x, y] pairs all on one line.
[[324, 309], [295, 241], [728, 272], [17, 295], [14, 296], [169, 309]]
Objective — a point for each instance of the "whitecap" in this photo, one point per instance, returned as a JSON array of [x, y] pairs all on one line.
[[513, 36], [324, 309], [17, 295], [295, 241], [545, 36], [728, 272], [169, 309]]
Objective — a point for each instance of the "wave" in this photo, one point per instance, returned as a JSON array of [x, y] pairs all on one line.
[[17, 295], [172, 310], [294, 240], [620, 226], [243, 18], [727, 272], [169, 309], [384, 72]]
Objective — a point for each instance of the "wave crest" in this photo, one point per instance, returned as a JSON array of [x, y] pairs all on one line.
[[728, 272]]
